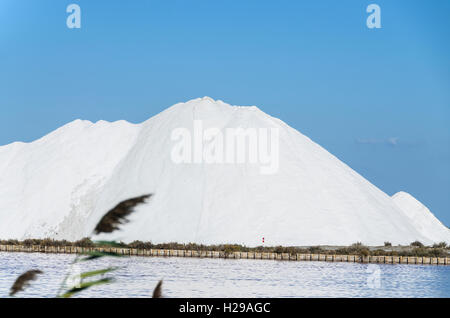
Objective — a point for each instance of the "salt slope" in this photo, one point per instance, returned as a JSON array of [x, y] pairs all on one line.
[[422, 218], [49, 187], [64, 183]]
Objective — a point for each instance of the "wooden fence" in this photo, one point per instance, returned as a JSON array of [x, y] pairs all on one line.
[[231, 255]]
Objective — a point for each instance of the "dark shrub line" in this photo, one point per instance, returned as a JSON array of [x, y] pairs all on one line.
[[437, 250]]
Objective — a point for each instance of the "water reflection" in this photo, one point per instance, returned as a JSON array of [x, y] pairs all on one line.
[[193, 277]]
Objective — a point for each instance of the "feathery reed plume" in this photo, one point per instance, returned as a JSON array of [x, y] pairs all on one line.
[[108, 223], [23, 281], [157, 293], [118, 215]]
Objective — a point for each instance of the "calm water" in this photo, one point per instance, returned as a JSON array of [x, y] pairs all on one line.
[[193, 277]]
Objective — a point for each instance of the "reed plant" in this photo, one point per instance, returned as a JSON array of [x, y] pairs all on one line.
[[109, 223]]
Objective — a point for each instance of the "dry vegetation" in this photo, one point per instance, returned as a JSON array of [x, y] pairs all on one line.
[[415, 248]]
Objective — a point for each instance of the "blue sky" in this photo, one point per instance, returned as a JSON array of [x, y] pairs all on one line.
[[378, 99]]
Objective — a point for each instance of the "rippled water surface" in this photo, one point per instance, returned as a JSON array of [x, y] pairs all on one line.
[[194, 277]]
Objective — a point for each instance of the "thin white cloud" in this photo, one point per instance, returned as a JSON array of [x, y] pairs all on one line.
[[392, 141]]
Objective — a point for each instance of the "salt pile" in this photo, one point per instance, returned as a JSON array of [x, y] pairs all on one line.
[[60, 185]]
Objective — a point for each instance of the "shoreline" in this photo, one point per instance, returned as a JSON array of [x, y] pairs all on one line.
[[411, 260]]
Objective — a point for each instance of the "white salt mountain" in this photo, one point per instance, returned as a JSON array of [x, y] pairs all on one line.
[[422, 218], [61, 185]]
